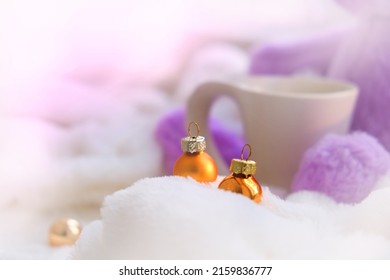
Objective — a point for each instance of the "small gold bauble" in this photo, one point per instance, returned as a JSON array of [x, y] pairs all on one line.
[[64, 232], [241, 180], [195, 162]]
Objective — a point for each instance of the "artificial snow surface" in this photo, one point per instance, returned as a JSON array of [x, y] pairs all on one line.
[[178, 218]]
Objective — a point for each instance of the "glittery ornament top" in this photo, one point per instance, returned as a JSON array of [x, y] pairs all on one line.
[[241, 166], [191, 144]]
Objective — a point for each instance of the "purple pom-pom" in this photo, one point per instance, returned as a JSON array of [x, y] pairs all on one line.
[[172, 128], [345, 168]]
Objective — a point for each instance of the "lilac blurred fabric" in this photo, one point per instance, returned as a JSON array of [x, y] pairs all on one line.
[[367, 8], [172, 127], [303, 53], [345, 168], [365, 60]]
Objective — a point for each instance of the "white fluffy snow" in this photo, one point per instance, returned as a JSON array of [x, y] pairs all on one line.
[[178, 218]]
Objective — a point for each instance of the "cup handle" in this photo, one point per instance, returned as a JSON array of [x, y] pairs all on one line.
[[198, 108]]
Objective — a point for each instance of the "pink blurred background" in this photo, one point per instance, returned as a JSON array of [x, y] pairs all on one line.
[[78, 54]]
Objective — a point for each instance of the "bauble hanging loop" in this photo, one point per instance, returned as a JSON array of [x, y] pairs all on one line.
[[195, 162], [193, 144], [241, 180], [189, 129]]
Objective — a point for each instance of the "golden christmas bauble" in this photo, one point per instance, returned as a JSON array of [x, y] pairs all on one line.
[[64, 232], [195, 162], [241, 180]]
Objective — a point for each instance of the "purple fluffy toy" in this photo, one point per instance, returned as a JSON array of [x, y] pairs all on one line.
[[343, 167]]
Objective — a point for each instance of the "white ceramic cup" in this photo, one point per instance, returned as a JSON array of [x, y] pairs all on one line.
[[282, 116]]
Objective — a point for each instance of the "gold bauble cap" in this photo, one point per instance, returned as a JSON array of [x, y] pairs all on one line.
[[192, 144], [242, 166]]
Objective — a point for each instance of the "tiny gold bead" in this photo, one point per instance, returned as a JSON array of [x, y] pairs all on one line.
[[64, 232]]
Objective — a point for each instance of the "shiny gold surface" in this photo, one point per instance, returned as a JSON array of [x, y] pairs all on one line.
[[242, 184], [64, 232], [200, 166]]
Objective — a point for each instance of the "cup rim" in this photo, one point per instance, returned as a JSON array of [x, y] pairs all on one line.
[[337, 88]]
